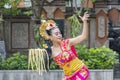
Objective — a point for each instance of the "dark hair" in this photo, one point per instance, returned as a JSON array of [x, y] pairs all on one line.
[[48, 49]]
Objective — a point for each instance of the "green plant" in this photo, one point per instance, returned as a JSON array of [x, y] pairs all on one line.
[[15, 62], [39, 40], [28, 13], [97, 58], [82, 51], [53, 65], [76, 25], [74, 18]]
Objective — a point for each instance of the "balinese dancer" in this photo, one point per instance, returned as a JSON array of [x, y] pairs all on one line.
[[62, 51]]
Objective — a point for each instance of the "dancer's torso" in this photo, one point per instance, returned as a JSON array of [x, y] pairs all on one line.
[[67, 60]]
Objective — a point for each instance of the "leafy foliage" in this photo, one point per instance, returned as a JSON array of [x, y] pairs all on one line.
[[97, 58], [53, 65], [38, 38], [28, 13], [15, 62], [75, 24], [2, 3], [10, 7], [13, 3], [93, 0], [75, 20]]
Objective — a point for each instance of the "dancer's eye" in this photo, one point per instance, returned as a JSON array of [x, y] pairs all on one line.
[[57, 33]]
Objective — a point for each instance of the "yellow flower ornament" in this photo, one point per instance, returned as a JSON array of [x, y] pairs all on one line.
[[45, 46]]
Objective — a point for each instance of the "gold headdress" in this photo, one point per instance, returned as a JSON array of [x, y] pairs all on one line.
[[46, 25]]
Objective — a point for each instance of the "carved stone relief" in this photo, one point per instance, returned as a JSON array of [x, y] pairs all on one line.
[[114, 15], [101, 27], [51, 10], [19, 35]]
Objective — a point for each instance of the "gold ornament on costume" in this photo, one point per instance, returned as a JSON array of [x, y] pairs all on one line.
[[46, 25], [45, 46], [36, 60], [66, 55]]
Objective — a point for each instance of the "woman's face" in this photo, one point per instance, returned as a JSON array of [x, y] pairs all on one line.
[[56, 35]]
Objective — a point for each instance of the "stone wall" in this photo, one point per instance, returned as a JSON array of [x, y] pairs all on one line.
[[52, 75]]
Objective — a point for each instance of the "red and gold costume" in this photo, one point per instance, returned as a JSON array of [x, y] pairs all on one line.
[[74, 68]]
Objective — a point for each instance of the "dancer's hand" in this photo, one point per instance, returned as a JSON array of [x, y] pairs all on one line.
[[85, 17]]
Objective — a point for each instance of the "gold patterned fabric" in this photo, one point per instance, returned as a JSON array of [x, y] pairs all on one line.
[[72, 66]]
